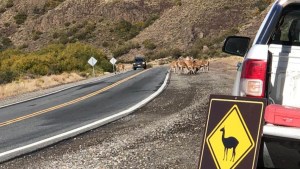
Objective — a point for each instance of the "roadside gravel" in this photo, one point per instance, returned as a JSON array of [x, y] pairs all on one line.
[[166, 133]]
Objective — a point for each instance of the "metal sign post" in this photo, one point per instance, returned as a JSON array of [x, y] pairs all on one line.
[[92, 61]]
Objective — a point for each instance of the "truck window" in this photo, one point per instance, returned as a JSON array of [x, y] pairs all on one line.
[[287, 32]]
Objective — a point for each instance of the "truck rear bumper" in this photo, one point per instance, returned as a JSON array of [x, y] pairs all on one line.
[[281, 131], [281, 147]]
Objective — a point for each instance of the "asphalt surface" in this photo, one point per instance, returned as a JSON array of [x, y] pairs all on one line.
[[31, 128], [166, 133]]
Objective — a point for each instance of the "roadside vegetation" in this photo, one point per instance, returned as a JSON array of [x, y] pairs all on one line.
[[28, 85], [52, 60], [23, 69], [126, 30]]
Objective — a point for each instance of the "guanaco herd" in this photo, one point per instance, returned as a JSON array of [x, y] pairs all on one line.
[[186, 65], [189, 65]]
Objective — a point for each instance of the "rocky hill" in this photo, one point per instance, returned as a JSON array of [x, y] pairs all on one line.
[[126, 27], [34, 23]]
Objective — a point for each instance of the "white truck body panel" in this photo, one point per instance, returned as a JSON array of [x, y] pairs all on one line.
[[285, 75]]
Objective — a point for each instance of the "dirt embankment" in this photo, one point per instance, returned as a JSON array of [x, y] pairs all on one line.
[[166, 133]]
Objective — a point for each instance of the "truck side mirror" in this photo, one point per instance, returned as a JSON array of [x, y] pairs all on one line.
[[236, 45]]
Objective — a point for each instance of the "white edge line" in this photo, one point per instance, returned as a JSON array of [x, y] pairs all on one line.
[[51, 140]]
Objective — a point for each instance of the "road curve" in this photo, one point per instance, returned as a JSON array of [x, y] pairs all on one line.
[[34, 124]]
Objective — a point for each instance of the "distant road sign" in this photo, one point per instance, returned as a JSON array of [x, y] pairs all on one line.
[[92, 61], [233, 133], [113, 61]]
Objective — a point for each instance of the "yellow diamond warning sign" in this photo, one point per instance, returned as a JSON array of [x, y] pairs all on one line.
[[230, 141], [233, 132]]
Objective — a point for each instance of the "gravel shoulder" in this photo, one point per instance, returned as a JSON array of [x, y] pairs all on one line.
[[166, 133]]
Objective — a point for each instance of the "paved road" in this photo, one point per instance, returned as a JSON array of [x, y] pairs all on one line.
[[32, 121]]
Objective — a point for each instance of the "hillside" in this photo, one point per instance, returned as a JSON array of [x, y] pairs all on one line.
[[35, 34], [34, 23], [31, 24], [197, 24]]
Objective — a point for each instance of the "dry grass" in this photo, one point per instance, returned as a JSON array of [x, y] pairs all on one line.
[[29, 85]]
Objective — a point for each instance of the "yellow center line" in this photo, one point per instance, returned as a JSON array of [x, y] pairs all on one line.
[[70, 102]]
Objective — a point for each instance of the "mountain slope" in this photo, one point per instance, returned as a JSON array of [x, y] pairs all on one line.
[[185, 25], [46, 19], [198, 23]]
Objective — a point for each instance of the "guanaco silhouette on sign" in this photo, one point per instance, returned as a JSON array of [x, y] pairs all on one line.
[[229, 143]]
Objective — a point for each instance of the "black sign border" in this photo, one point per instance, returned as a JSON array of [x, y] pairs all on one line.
[[228, 98]]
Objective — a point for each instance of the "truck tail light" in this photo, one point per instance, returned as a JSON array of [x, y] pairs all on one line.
[[253, 78]]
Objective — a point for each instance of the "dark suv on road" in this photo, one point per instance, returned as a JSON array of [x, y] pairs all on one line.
[[139, 62]]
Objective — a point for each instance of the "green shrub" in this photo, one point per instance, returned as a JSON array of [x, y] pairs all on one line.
[[53, 59], [105, 44], [51, 4], [8, 53], [151, 20], [178, 2], [7, 76], [227, 7], [82, 31], [6, 24], [2, 10], [55, 35], [67, 24], [23, 46], [82, 35], [90, 27], [72, 31], [63, 39], [82, 24], [124, 49], [148, 44], [194, 52], [6, 42], [38, 11], [54, 50], [161, 54], [126, 30], [106, 66], [20, 18], [176, 53], [9, 4], [35, 37], [262, 4], [149, 54]]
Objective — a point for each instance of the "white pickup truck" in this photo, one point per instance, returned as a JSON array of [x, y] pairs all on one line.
[[271, 70]]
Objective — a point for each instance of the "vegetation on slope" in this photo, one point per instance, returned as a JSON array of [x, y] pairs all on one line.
[[54, 59], [195, 28]]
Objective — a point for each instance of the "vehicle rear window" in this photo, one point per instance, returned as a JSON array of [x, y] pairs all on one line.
[[287, 31]]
